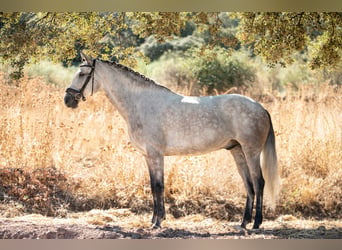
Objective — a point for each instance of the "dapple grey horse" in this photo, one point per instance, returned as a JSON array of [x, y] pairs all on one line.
[[161, 122]]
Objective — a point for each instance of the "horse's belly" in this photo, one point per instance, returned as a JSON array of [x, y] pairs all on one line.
[[201, 142]]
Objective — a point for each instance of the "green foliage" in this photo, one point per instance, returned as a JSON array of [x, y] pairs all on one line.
[[220, 31], [162, 25], [52, 73], [276, 36], [215, 69], [31, 37], [154, 49], [172, 71]]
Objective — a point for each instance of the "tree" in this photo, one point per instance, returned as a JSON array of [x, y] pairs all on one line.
[[277, 35], [30, 37]]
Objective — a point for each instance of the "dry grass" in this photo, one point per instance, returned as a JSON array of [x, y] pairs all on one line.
[[309, 137], [91, 164]]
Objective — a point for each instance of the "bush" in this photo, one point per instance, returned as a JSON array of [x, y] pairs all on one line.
[[171, 71], [154, 49], [216, 69], [52, 73], [197, 72]]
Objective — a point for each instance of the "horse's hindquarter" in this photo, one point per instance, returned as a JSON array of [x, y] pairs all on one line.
[[249, 120]]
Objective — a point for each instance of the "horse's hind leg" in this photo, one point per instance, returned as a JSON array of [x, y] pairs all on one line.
[[253, 162], [155, 163], [242, 167]]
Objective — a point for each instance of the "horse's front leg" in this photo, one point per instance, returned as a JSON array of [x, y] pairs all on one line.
[[155, 163]]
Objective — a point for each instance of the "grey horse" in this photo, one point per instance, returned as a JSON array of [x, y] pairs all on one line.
[[161, 123]]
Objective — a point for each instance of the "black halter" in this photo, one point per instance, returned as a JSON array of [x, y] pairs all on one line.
[[78, 94]]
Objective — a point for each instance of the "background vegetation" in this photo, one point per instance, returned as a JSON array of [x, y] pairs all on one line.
[[54, 160], [277, 37]]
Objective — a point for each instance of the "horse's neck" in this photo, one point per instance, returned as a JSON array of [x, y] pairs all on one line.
[[126, 91]]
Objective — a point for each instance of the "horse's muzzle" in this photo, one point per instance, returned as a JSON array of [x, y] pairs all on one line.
[[70, 101]]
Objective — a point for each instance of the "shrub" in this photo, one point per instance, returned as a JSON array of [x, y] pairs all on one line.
[[171, 71], [154, 49], [215, 69], [52, 73]]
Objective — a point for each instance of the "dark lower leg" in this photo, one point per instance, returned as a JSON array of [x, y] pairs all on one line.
[[155, 162], [158, 204], [259, 203], [242, 167], [247, 216]]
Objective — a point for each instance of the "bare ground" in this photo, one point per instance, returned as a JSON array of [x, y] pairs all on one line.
[[122, 223]]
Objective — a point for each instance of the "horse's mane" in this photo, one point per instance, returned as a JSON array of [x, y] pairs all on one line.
[[147, 81]]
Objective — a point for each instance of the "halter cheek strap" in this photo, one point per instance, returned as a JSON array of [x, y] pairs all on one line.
[[78, 94]]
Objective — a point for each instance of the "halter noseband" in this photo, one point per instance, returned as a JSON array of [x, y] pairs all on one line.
[[78, 94]]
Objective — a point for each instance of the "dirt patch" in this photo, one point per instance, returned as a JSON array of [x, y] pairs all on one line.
[[122, 223]]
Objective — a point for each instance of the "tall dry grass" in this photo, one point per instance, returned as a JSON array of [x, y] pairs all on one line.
[[82, 159]]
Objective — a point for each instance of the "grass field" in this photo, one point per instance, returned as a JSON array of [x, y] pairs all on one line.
[[54, 160]]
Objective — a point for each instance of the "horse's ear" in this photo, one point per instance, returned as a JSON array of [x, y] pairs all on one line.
[[86, 59]]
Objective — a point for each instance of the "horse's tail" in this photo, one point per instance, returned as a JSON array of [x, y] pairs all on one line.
[[270, 171]]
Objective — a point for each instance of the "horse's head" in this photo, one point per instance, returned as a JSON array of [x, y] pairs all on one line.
[[83, 83]]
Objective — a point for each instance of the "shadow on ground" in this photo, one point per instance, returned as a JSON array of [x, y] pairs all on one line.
[[232, 233]]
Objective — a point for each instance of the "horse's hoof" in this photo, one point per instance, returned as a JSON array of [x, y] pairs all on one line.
[[240, 230], [155, 226]]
